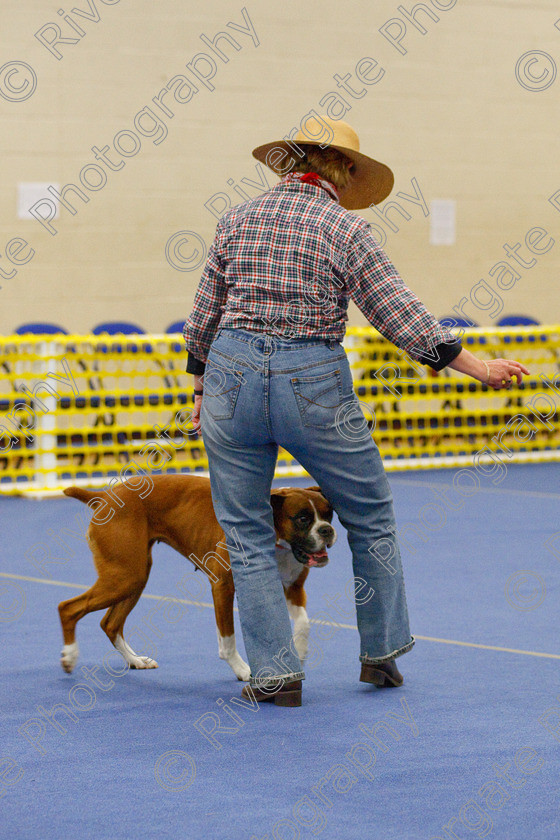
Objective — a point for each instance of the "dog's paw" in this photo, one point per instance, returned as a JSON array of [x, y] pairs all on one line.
[[137, 663], [69, 657], [244, 673], [142, 663], [239, 668]]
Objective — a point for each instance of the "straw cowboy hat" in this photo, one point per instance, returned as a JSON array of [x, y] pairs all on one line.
[[371, 181]]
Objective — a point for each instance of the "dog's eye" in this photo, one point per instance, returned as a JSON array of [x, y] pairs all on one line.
[[303, 518]]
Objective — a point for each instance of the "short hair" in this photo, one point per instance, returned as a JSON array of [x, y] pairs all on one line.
[[329, 163]]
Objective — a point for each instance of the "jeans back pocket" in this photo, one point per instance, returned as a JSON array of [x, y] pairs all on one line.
[[221, 389], [318, 398]]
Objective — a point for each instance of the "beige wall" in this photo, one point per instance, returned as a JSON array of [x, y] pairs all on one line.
[[449, 113]]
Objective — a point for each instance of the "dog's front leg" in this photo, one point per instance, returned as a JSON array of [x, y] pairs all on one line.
[[301, 629], [223, 593], [227, 650]]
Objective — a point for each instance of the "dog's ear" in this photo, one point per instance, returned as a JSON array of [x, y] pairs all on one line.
[[318, 490], [277, 496]]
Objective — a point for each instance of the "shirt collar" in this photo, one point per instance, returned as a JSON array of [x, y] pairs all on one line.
[[317, 181]]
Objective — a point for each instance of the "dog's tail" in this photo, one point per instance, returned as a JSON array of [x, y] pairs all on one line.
[[83, 494]]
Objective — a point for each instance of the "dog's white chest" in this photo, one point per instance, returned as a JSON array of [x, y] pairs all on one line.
[[288, 566]]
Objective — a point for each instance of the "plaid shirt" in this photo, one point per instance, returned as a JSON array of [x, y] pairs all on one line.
[[287, 263]]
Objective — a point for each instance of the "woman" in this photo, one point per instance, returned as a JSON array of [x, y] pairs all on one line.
[[264, 338]]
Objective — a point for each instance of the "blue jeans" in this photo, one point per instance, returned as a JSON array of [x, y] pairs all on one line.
[[262, 392]]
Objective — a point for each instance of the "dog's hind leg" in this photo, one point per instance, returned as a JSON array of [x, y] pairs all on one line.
[[99, 596], [113, 625], [123, 567], [223, 592]]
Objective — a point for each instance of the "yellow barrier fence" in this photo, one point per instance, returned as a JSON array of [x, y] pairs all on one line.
[[83, 408]]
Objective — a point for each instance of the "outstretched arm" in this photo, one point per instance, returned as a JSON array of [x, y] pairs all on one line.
[[497, 373]]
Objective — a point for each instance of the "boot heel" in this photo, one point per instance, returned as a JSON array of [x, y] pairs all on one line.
[[288, 698], [378, 678], [384, 674]]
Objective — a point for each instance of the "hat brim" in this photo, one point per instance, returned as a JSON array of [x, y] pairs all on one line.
[[371, 183]]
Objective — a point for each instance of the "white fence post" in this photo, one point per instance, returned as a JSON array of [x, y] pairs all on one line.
[[45, 442]]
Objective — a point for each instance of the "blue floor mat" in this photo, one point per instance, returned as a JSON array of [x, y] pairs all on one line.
[[468, 747]]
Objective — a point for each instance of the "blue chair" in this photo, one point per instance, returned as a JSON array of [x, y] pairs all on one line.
[[117, 328], [519, 321], [50, 329], [34, 329], [175, 327], [40, 329]]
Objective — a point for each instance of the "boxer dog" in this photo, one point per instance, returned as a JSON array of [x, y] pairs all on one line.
[[178, 511]]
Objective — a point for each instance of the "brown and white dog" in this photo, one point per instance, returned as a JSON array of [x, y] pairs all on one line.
[[178, 511]]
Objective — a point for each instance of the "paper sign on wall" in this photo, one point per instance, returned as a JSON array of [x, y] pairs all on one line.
[[442, 221], [29, 193]]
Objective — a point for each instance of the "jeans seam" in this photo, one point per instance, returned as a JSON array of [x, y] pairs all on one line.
[[266, 397], [301, 369], [304, 342]]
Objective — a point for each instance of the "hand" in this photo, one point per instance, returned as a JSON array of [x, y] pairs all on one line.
[[497, 374], [502, 372], [197, 405], [195, 417]]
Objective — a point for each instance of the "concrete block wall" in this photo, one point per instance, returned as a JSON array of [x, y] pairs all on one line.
[[459, 97]]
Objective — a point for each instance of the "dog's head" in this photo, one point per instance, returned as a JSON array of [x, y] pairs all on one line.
[[302, 518]]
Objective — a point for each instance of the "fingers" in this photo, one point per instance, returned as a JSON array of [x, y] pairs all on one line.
[[195, 415], [505, 371], [521, 367], [516, 369], [506, 382]]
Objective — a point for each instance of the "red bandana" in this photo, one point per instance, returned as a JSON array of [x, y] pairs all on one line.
[[314, 179], [311, 178]]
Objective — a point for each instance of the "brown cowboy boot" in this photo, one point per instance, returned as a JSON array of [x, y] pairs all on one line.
[[289, 694], [382, 674]]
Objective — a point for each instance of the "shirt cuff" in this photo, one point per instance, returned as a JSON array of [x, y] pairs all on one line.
[[444, 354], [195, 366]]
